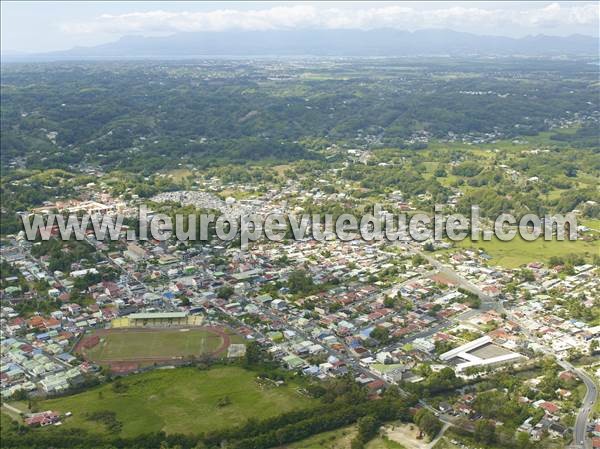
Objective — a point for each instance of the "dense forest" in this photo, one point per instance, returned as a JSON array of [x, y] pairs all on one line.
[[423, 122], [147, 116]]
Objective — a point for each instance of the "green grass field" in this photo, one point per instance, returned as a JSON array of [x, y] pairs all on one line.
[[183, 400], [130, 345], [518, 251]]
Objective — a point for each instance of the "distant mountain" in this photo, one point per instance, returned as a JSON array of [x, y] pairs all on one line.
[[383, 42]]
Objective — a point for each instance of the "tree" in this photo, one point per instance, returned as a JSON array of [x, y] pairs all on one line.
[[440, 172], [389, 302], [427, 422], [485, 431], [392, 392], [442, 346], [253, 354], [418, 260], [166, 445], [300, 282], [381, 334], [119, 387], [225, 292], [19, 395], [522, 440], [367, 429], [527, 275]]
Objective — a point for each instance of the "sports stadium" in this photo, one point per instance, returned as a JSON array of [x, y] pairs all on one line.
[[146, 339]]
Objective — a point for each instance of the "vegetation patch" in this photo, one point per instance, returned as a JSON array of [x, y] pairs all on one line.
[[519, 252], [184, 400]]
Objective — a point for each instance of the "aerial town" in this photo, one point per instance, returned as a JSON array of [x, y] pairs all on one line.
[[388, 313], [300, 225]]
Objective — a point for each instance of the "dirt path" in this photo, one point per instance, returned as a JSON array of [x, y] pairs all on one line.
[[13, 409]]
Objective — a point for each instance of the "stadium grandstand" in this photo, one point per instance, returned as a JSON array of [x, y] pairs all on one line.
[[158, 319]]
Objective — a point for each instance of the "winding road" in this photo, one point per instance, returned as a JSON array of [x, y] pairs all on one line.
[[580, 434], [580, 439]]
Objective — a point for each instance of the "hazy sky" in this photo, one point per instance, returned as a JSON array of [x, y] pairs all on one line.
[[47, 25]]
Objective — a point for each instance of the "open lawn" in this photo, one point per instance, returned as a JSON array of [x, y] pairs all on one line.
[[132, 344], [182, 400], [518, 251]]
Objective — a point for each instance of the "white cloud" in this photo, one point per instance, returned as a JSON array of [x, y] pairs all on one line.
[[308, 16]]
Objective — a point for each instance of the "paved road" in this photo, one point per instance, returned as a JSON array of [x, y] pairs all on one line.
[[487, 301], [439, 435], [580, 439], [346, 358]]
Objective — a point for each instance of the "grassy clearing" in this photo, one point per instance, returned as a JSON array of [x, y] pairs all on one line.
[[334, 439], [184, 400], [448, 180], [518, 251], [9, 414], [555, 194], [590, 223], [281, 169], [341, 439], [128, 345], [179, 174], [383, 443], [386, 368]]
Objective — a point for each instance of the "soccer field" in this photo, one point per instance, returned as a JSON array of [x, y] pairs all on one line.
[[155, 344]]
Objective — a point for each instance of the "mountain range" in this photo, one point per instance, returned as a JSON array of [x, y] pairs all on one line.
[[381, 42]]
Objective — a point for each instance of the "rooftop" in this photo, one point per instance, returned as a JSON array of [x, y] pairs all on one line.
[[157, 315]]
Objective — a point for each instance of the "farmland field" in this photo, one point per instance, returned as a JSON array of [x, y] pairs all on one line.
[[518, 251], [182, 400]]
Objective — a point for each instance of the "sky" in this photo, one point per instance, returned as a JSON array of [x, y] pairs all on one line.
[[36, 27]]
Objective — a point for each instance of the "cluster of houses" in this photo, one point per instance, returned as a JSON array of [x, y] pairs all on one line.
[[39, 363], [374, 309]]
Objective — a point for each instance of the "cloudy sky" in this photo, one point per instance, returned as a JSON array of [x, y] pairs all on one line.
[[46, 25]]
